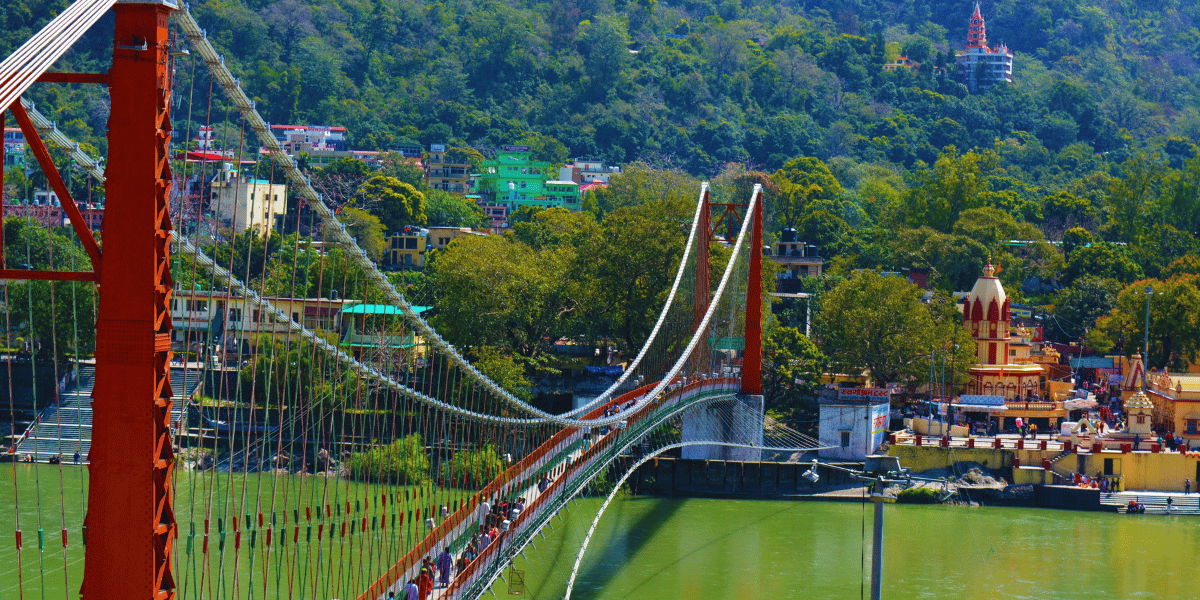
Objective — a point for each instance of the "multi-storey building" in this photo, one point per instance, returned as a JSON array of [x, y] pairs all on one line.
[[446, 175], [514, 180], [981, 67], [243, 203], [587, 170], [307, 138], [406, 249], [14, 147]]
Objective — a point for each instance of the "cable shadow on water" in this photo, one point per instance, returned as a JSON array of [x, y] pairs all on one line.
[[645, 537], [639, 533]]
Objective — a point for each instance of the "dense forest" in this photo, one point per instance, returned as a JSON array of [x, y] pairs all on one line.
[[1080, 181]]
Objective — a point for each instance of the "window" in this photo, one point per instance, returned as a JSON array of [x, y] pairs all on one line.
[[1108, 466], [257, 316], [296, 317], [845, 439], [235, 315], [1141, 419], [1191, 426], [410, 243]]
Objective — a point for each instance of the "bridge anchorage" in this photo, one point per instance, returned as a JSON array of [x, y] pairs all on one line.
[[253, 434]]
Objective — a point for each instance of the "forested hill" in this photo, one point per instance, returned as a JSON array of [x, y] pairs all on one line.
[[692, 84]]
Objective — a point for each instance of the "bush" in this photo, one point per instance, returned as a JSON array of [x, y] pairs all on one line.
[[403, 462], [473, 469], [921, 495]]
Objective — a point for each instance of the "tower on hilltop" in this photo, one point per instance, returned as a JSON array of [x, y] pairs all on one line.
[[981, 67]]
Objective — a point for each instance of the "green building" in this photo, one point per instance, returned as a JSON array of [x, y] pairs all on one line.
[[514, 180]]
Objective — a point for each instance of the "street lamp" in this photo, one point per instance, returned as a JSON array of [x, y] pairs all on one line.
[[1146, 342]]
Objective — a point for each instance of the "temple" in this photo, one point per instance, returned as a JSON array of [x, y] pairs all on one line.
[[999, 371], [981, 67]]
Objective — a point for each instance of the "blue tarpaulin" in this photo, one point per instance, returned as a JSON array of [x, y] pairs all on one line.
[[617, 370], [1092, 362]]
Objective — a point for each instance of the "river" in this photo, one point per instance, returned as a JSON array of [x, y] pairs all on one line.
[[660, 549], [646, 548]]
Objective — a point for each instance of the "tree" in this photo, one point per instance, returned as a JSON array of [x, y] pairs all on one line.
[[606, 45], [1077, 308], [56, 316], [792, 368], [555, 227], [504, 370], [495, 291], [629, 268], [801, 181], [366, 229], [395, 203], [640, 184], [877, 324], [953, 185], [1105, 260], [444, 209], [394, 164], [1174, 322]]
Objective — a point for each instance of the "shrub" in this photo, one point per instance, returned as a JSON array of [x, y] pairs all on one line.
[[474, 468], [921, 495], [403, 462]]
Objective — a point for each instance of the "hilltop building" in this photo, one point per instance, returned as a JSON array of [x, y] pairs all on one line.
[[981, 67]]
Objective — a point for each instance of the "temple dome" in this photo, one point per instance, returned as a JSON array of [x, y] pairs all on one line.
[[988, 288], [1138, 401]]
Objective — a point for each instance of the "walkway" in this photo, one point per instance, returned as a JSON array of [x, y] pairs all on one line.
[[1156, 502]]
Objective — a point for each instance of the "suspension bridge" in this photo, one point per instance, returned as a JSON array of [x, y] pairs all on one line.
[[295, 466]]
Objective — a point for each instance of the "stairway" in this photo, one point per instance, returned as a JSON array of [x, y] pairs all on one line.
[[1156, 502], [65, 428]]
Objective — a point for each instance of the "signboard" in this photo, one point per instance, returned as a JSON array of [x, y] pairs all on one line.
[[865, 394], [879, 425], [515, 148]]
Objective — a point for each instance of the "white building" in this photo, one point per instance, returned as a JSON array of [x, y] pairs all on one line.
[[853, 423], [587, 170], [981, 67], [242, 203]]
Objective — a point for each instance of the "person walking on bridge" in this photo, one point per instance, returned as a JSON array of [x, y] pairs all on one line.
[[445, 562]]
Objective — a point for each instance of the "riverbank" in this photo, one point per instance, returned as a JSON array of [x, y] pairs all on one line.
[[976, 486]]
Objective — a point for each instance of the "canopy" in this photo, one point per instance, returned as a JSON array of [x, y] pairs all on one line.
[[379, 309], [1079, 404], [979, 403]]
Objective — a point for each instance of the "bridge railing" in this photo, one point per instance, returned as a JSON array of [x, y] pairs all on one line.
[[459, 525], [579, 469]]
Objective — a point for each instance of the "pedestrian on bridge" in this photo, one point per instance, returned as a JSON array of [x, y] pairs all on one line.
[[425, 583], [445, 562], [411, 591]]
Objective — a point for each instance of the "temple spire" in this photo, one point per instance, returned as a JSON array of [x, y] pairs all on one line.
[[977, 32]]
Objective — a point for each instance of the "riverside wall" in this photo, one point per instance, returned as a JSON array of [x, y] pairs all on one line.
[[666, 476]]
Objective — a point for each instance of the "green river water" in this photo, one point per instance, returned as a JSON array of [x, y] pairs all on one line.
[[662, 549]]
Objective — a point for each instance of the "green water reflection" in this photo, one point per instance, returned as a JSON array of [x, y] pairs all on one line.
[[338, 566], [659, 549]]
